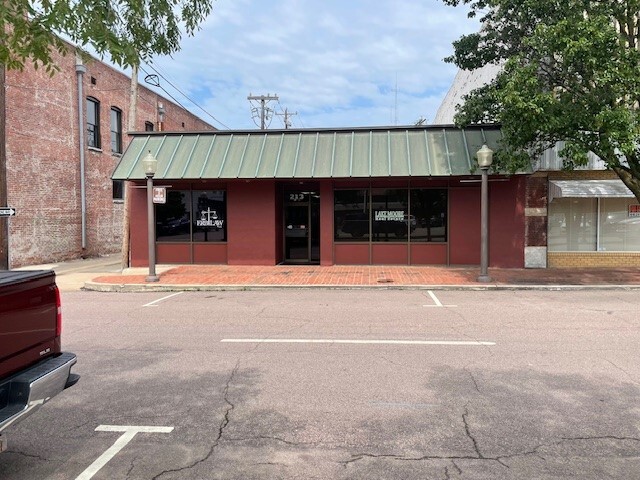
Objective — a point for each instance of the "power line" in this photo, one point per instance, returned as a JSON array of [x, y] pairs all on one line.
[[182, 93], [153, 81], [117, 12]]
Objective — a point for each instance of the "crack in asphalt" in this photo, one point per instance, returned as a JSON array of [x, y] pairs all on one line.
[[273, 464], [26, 455], [267, 437], [223, 425], [361, 456], [479, 454], [473, 378], [468, 432], [633, 380], [535, 451], [602, 437], [446, 474], [131, 467]]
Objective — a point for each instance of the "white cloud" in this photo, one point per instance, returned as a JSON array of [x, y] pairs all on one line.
[[334, 62]]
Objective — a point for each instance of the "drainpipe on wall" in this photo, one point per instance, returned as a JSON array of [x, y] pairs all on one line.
[[80, 71], [4, 222]]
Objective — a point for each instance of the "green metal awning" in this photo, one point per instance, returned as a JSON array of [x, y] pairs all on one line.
[[305, 154]]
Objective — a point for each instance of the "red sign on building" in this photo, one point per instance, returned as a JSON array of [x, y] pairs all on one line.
[[634, 210]]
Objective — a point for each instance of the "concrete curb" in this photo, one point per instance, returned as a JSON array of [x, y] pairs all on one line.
[[142, 287]]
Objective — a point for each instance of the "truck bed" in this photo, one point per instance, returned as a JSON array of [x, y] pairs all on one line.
[[32, 367]]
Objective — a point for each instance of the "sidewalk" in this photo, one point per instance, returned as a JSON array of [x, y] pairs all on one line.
[[105, 274], [231, 277]]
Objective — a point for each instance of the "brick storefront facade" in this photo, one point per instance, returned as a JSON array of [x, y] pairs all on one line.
[[43, 159]]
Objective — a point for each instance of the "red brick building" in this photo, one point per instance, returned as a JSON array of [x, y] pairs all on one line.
[[363, 196], [41, 158]]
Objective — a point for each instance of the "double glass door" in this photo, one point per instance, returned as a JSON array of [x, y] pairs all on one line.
[[301, 227]]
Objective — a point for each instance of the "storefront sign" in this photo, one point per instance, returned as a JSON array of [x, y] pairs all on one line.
[[389, 215], [634, 210], [209, 218]]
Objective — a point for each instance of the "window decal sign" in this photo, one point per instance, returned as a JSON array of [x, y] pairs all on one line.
[[389, 215], [209, 218], [634, 210]]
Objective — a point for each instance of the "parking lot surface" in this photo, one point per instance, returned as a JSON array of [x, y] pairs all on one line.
[[322, 384]]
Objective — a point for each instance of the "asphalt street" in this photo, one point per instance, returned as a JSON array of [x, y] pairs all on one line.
[[321, 384]]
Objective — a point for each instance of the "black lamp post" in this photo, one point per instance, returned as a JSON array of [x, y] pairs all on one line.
[[150, 164], [485, 159]]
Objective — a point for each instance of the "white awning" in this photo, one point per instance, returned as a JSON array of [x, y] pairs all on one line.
[[588, 189]]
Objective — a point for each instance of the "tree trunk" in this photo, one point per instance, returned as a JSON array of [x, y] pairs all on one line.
[[131, 126], [632, 183]]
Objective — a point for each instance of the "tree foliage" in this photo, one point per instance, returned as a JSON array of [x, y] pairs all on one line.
[[569, 72], [127, 30]]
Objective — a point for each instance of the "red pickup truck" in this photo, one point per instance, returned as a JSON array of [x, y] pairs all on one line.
[[33, 368]]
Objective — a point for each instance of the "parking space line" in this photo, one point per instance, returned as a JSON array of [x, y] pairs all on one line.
[[120, 443], [358, 342], [152, 304], [437, 302]]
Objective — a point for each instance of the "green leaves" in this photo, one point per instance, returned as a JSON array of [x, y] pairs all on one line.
[[127, 30], [570, 72]]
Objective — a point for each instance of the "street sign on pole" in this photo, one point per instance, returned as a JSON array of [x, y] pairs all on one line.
[[7, 212], [159, 195]]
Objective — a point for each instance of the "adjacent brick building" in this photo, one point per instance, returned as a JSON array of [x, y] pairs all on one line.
[[42, 158]]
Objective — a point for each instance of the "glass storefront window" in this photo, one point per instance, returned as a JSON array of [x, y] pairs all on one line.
[[351, 215], [572, 225], [192, 216], [619, 228], [429, 215], [390, 213], [173, 219], [209, 216]]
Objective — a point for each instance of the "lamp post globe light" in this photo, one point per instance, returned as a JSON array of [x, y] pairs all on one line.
[[150, 164], [485, 159]]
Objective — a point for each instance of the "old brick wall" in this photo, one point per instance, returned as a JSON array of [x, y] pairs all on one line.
[[536, 212], [43, 159]]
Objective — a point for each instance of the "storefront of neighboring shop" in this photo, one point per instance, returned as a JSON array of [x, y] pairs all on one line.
[[370, 196], [593, 220]]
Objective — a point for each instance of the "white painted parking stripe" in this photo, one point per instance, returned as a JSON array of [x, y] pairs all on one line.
[[356, 342], [151, 304], [434, 298], [437, 302], [120, 443]]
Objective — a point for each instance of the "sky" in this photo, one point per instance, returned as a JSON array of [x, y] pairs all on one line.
[[334, 63]]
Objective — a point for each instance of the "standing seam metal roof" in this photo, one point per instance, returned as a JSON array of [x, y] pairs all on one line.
[[290, 154]]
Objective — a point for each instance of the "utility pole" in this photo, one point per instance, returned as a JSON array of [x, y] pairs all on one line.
[[131, 127], [287, 115], [265, 112]]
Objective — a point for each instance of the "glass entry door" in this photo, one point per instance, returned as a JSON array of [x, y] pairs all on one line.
[[301, 227]]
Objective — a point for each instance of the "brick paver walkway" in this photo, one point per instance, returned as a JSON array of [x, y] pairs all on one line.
[[341, 275]]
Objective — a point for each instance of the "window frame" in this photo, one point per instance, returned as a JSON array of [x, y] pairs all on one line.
[[117, 190], [116, 135], [93, 124]]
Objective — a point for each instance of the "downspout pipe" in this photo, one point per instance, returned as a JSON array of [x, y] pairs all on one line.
[[80, 71]]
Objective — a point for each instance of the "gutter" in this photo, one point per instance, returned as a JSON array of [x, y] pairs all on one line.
[[80, 71]]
